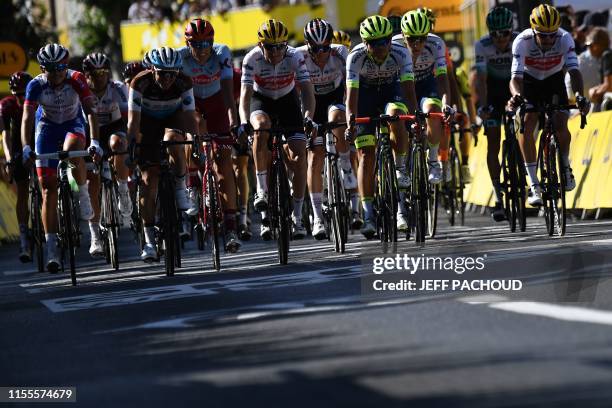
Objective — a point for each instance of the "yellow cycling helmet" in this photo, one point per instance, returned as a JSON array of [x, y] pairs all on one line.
[[545, 19], [272, 32], [340, 37]]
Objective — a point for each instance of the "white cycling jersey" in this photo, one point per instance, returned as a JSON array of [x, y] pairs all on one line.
[[361, 67], [491, 61], [329, 78], [431, 62], [528, 57], [113, 105], [274, 81]]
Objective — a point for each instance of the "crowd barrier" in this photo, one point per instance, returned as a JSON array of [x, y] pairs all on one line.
[[590, 158]]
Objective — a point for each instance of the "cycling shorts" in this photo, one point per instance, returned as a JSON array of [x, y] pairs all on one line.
[[374, 101], [49, 137], [153, 130], [213, 109], [287, 109], [540, 92], [427, 93], [498, 94], [325, 104]]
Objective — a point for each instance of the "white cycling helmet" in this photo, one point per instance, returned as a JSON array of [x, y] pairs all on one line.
[[318, 31], [165, 58], [52, 54]]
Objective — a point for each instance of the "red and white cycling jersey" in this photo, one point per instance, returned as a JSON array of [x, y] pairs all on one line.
[[274, 81], [113, 105], [528, 57], [327, 79], [59, 104]]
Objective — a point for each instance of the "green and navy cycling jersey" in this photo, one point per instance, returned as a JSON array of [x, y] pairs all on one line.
[[147, 97], [362, 70], [207, 77], [431, 62], [491, 61]]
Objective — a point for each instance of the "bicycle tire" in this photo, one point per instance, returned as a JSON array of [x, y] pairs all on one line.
[[510, 184], [521, 193], [432, 209], [338, 204], [418, 199], [557, 183], [543, 165], [283, 212], [37, 233], [110, 222], [391, 197], [168, 223], [212, 218], [66, 223]]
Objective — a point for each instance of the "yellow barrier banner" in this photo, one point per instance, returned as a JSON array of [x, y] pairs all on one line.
[[480, 190], [236, 29]]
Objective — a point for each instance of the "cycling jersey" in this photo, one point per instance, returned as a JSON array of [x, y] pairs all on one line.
[[431, 62], [274, 81], [58, 104], [491, 61], [207, 77], [331, 76], [361, 69], [528, 58], [11, 113], [146, 96], [112, 106]]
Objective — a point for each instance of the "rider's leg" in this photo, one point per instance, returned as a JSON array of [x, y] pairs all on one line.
[[261, 157], [493, 143], [528, 147], [435, 134], [76, 141], [241, 164], [117, 143], [148, 195], [298, 163]]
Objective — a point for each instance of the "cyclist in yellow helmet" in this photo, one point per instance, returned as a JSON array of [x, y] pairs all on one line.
[[342, 38]]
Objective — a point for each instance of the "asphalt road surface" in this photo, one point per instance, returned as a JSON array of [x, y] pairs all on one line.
[[314, 333]]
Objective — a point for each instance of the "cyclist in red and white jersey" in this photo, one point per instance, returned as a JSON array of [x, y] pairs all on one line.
[[327, 67], [112, 98], [540, 57], [59, 94], [270, 72]]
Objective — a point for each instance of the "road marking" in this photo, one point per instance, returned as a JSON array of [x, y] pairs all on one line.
[[559, 312]]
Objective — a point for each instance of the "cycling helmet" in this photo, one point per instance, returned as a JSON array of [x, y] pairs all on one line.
[[375, 27], [146, 60], [95, 60], [318, 31], [396, 22], [430, 15], [199, 30], [415, 23], [342, 38], [52, 54], [18, 81], [132, 69], [272, 32], [165, 58], [545, 18], [499, 18]]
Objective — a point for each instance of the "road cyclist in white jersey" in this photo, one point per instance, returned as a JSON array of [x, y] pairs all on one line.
[[270, 72], [431, 81], [59, 94], [379, 80], [326, 64], [111, 110], [490, 77], [540, 57]]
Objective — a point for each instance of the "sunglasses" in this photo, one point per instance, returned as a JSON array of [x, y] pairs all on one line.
[[200, 44], [379, 42], [417, 39], [55, 67], [319, 48], [546, 35], [501, 33], [275, 47], [99, 72], [167, 73]]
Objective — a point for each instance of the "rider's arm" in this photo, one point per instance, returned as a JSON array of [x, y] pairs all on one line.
[[478, 76], [134, 108], [453, 86], [518, 66], [188, 105], [576, 81], [441, 73], [246, 92], [443, 88], [27, 124], [5, 140], [352, 87], [407, 79], [352, 98], [89, 106], [122, 91], [308, 98], [227, 85]]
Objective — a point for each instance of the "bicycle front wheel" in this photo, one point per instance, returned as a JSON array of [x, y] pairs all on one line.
[[419, 193], [37, 232], [67, 228], [168, 222], [557, 187], [211, 204], [110, 222], [283, 212]]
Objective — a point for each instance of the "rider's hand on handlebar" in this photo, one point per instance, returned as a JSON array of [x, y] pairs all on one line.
[[95, 150], [27, 156], [516, 101], [349, 134], [583, 104], [449, 112]]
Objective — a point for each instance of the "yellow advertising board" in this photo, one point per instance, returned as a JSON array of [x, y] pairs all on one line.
[[448, 14], [12, 58]]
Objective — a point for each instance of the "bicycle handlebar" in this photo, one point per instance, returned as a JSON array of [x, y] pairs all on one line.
[[547, 109], [61, 155], [395, 118]]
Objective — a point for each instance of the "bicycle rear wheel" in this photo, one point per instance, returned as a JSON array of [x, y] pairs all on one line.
[[521, 173], [419, 193], [212, 218], [339, 209], [168, 223], [557, 187], [432, 208], [509, 182], [282, 210], [456, 189], [37, 232], [67, 228], [110, 222]]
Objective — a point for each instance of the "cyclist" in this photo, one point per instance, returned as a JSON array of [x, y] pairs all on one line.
[[112, 116], [59, 94], [327, 66], [342, 38], [431, 83], [160, 106], [490, 74], [209, 65], [11, 111], [540, 56], [270, 72], [379, 79], [132, 69]]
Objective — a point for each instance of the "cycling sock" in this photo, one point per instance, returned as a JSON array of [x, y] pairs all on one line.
[[149, 233], [51, 241], [345, 160], [565, 160], [532, 172], [94, 229], [497, 190], [465, 160], [297, 207], [368, 208], [433, 151], [443, 155], [355, 201], [83, 190], [264, 215], [401, 208], [23, 235], [122, 186], [180, 182], [243, 216], [317, 202], [262, 180], [229, 218], [400, 162]]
